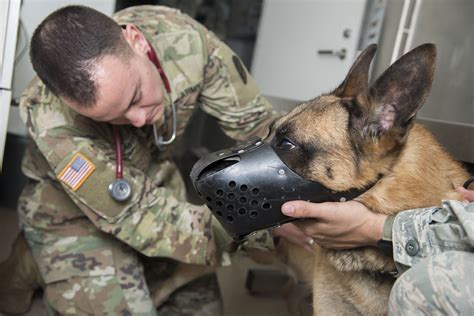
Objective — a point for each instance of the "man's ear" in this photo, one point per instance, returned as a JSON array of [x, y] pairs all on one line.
[[135, 39], [401, 90]]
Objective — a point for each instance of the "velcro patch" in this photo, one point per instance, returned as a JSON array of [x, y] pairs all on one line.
[[76, 171]]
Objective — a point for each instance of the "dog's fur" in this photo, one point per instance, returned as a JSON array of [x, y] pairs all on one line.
[[352, 137]]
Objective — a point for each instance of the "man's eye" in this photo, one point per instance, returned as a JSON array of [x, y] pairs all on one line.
[[135, 100], [286, 144]]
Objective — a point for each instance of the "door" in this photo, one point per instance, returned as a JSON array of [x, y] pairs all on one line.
[[305, 47]]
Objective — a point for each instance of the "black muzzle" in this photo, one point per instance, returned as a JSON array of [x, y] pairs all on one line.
[[246, 185]]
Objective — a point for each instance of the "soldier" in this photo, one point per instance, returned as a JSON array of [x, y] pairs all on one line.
[[432, 249], [111, 97]]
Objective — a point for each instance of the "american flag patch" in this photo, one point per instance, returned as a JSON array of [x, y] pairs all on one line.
[[76, 171]]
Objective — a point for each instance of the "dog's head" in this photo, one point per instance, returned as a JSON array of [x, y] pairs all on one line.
[[347, 138]]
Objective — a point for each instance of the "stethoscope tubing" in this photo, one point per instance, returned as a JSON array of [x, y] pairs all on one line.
[[118, 153], [120, 188]]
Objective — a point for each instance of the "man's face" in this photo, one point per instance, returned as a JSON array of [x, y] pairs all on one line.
[[128, 92]]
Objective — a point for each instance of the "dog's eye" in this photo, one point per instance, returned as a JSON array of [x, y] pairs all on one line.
[[286, 144]]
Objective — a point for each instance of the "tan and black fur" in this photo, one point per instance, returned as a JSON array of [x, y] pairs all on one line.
[[352, 137]]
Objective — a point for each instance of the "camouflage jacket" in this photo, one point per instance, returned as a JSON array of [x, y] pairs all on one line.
[[422, 233], [156, 220]]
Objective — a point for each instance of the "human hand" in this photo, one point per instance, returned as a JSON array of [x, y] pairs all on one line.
[[294, 235], [337, 225], [468, 195]]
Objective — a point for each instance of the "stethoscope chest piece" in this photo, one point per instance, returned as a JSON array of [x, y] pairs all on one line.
[[120, 190]]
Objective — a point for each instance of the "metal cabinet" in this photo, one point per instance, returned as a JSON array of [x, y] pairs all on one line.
[[9, 17], [15, 69], [449, 111]]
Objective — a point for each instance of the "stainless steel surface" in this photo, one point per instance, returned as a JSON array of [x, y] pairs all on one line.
[[373, 22], [451, 99], [449, 111], [9, 18], [457, 138], [406, 28]]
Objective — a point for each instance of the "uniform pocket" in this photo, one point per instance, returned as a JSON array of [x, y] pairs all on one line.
[[60, 258]]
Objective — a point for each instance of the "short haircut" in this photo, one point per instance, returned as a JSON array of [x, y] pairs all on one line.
[[66, 46]]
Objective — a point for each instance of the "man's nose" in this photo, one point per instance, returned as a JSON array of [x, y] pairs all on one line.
[[137, 118]]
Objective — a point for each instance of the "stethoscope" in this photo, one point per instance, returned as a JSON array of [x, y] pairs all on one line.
[[120, 189]]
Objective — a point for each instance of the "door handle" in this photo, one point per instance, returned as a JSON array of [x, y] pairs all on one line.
[[338, 53]]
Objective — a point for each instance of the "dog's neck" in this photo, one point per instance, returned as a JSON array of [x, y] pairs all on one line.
[[422, 176]]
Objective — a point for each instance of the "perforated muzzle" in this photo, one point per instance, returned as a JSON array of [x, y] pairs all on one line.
[[246, 185]]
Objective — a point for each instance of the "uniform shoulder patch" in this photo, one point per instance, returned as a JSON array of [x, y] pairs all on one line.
[[77, 170]]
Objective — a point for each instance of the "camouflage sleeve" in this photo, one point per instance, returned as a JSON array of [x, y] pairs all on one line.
[[153, 221], [230, 94], [422, 233]]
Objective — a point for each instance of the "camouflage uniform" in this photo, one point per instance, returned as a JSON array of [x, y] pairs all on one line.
[[87, 245], [433, 247]]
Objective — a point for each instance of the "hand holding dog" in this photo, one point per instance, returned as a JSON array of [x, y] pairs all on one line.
[[337, 225], [343, 225], [468, 195], [294, 235]]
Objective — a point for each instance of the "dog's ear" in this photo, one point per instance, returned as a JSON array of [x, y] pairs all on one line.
[[401, 90], [356, 81]]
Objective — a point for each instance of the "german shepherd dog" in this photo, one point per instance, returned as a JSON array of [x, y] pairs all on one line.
[[354, 136]]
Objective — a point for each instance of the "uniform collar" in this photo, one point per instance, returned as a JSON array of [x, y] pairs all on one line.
[[166, 87]]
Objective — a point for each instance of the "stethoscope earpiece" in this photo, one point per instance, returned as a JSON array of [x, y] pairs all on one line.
[[159, 141]]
